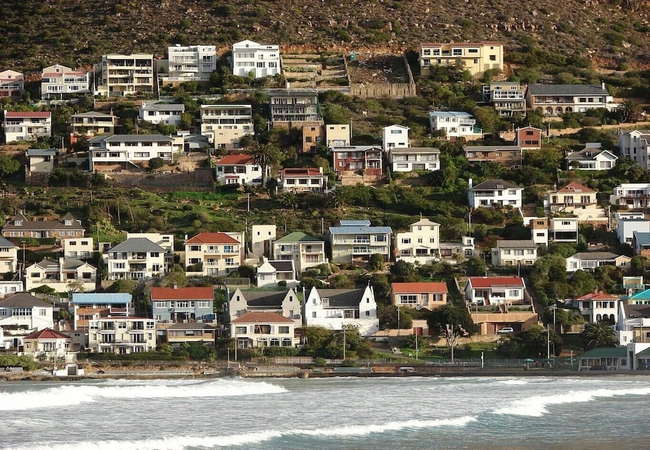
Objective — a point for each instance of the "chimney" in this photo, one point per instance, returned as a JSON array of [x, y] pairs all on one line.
[[470, 183], [602, 85], [175, 286]]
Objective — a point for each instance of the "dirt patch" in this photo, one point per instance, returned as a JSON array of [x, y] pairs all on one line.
[[367, 68]]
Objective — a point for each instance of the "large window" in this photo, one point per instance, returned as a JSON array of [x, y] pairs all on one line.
[[408, 299]]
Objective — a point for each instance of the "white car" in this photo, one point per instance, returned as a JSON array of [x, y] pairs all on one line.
[[506, 330]]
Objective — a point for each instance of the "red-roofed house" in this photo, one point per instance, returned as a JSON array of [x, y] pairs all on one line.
[[495, 290], [182, 304], [596, 307], [579, 200], [46, 341], [428, 295], [214, 253], [240, 169], [59, 81], [263, 329], [303, 179], [26, 125]]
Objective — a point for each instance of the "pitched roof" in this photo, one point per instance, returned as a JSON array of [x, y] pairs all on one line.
[[6, 243], [104, 298], [262, 317], [514, 243], [282, 265], [157, 106], [212, 238], [342, 297], [416, 288], [31, 225], [594, 256], [181, 293], [575, 187], [264, 299], [301, 172], [486, 282], [92, 114], [24, 300], [636, 311], [597, 296], [642, 238], [68, 264], [297, 236], [27, 114], [235, 159], [589, 153], [606, 352], [496, 183], [137, 245], [424, 222], [46, 333], [449, 114], [566, 89]]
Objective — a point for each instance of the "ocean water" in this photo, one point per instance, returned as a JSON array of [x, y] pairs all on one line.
[[336, 413]]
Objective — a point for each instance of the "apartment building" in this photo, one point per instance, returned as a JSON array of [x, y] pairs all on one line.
[[357, 240], [510, 156], [187, 63], [257, 60], [91, 306], [59, 82], [293, 109], [122, 335], [477, 57], [136, 259], [66, 227], [454, 125], [631, 195], [263, 329], [506, 97], [26, 125], [12, 84], [183, 304], [129, 151], [355, 158], [634, 145], [92, 123], [122, 75], [225, 125]]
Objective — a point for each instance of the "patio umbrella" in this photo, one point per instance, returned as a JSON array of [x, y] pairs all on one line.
[[528, 360]]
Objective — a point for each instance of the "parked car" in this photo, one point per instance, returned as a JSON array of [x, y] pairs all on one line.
[[506, 330]]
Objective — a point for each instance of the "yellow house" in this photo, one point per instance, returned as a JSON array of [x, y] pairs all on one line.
[[477, 57]]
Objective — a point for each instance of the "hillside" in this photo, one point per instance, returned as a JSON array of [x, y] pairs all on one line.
[[38, 33]]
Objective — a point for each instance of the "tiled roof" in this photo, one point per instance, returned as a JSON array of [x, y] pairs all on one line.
[[597, 296], [342, 297], [424, 222], [235, 159], [575, 187], [301, 172], [137, 245], [296, 236], [46, 333], [5, 243], [262, 317], [595, 256], [27, 114], [417, 288], [508, 243], [181, 293], [24, 300], [212, 238], [486, 282]]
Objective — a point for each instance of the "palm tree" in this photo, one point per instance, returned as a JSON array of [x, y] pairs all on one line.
[[265, 156], [628, 111], [288, 200], [599, 334]]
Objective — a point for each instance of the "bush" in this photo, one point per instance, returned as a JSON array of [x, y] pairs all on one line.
[[156, 163], [280, 351]]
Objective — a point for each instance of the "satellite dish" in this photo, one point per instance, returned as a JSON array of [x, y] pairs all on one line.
[[418, 307]]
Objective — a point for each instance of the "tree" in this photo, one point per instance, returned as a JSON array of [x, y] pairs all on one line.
[[8, 166], [265, 156], [156, 163], [451, 321], [599, 334], [628, 111], [532, 343], [376, 261]]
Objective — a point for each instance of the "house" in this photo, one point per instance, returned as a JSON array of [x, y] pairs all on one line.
[[12, 84], [629, 223], [191, 333], [634, 145], [250, 59], [476, 57], [557, 99], [596, 307], [10, 287], [129, 151], [395, 136], [631, 195], [40, 160], [276, 273], [183, 304], [633, 322], [577, 200], [62, 275], [166, 241], [605, 358], [225, 125], [514, 252], [122, 335], [159, 112], [239, 169], [135, 259], [507, 98], [19, 227], [214, 253], [92, 123], [86, 307], [528, 138], [187, 63], [455, 252], [60, 82], [262, 237], [358, 158], [357, 240], [510, 156], [495, 192], [337, 135], [338, 309], [592, 157], [47, 342], [292, 109], [564, 229], [26, 125], [313, 135], [495, 290], [641, 243], [304, 250], [299, 179], [414, 158], [263, 329], [78, 248], [284, 303], [26, 311], [121, 75], [591, 260], [429, 295], [421, 244], [453, 125], [8, 256], [539, 229]]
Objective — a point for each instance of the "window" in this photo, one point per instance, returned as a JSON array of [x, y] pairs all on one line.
[[240, 330], [406, 240], [283, 330]]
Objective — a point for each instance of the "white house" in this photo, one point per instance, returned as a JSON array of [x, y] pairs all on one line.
[[514, 252], [262, 237], [188, 63], [305, 251], [302, 179], [276, 272], [225, 125], [627, 225], [495, 290], [215, 253], [10, 287], [283, 302], [495, 192], [596, 307], [591, 260], [258, 60], [356, 239], [263, 329], [421, 244], [557, 99], [159, 112], [239, 169], [46, 342], [395, 136], [123, 335], [414, 158], [127, 151], [26, 125], [25, 310], [634, 145], [631, 195], [135, 259], [592, 157], [430, 295], [77, 248], [454, 125], [121, 75], [58, 82], [40, 160], [335, 309], [62, 275], [8, 256]]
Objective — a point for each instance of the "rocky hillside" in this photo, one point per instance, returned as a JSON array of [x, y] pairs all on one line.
[[37, 33]]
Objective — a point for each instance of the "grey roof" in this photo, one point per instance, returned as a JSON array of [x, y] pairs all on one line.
[[191, 326], [297, 236], [264, 299], [24, 300], [92, 114], [100, 298], [449, 113], [588, 153], [137, 245], [595, 256], [282, 265], [636, 311], [342, 297], [410, 150], [354, 223], [642, 238], [138, 138], [496, 184], [177, 107], [68, 263], [5, 243], [506, 243], [41, 152], [32, 225], [566, 89], [360, 230], [491, 148]]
